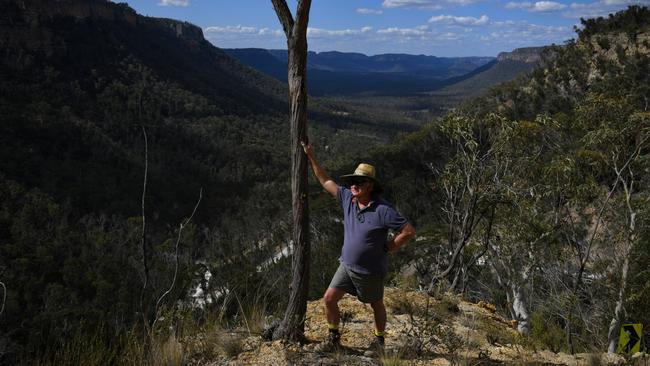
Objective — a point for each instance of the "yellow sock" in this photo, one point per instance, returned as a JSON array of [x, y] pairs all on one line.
[[332, 326], [378, 333]]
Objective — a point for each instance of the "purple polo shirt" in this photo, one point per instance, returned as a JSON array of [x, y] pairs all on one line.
[[366, 233]]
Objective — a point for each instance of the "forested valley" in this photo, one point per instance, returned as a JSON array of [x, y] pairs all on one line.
[[144, 186]]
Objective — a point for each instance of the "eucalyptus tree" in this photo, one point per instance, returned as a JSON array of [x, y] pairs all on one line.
[[292, 326], [524, 222], [469, 182], [618, 141], [597, 202]]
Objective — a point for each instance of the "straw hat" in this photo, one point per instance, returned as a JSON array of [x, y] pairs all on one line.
[[364, 170]]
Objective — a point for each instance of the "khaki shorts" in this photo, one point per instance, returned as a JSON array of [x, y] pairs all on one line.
[[368, 288]]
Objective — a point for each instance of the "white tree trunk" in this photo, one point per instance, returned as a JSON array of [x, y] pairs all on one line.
[[519, 310], [615, 324], [514, 294]]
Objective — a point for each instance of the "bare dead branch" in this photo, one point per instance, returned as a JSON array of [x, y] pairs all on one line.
[[302, 17], [143, 238], [176, 256], [4, 297], [618, 179], [284, 15]]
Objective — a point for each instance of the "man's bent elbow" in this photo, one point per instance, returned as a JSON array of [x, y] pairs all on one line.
[[409, 232]]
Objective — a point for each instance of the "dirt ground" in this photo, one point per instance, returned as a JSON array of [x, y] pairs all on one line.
[[420, 331]]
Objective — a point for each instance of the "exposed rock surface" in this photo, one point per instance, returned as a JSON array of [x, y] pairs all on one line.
[[482, 332], [528, 55]]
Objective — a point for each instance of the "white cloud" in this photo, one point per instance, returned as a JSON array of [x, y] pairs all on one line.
[[238, 36], [250, 33], [461, 2], [174, 3], [625, 2], [524, 34], [523, 5], [599, 8], [367, 11], [319, 32], [403, 31], [440, 36], [448, 36], [270, 32], [540, 6], [544, 6], [408, 3], [424, 4], [507, 23], [237, 29], [465, 21]]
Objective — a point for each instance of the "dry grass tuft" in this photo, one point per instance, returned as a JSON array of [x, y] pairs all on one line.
[[392, 358], [231, 344], [168, 352]]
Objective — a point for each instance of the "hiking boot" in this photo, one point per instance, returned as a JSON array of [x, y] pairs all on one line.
[[331, 344], [376, 347]]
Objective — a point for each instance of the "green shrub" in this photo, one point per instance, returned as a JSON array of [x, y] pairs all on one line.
[[603, 42], [546, 333], [448, 305], [450, 340], [403, 305], [498, 333]]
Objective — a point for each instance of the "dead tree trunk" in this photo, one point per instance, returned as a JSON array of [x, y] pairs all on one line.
[[293, 324]]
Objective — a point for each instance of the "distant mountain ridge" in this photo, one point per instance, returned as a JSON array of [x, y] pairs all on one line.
[[345, 73], [101, 34], [390, 62], [507, 66], [105, 10]]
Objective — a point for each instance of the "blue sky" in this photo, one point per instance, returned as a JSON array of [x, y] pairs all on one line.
[[430, 27]]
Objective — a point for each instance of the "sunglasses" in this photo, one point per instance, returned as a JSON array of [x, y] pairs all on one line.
[[358, 182]]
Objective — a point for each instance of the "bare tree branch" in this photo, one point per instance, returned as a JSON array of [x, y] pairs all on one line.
[[585, 259], [176, 256], [284, 15], [4, 297], [143, 242], [302, 16]]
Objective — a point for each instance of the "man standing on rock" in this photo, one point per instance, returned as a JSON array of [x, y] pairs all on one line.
[[364, 260]]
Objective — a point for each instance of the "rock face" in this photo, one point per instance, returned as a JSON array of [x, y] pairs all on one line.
[[527, 55], [182, 29], [613, 46]]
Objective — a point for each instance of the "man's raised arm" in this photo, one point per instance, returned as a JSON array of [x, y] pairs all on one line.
[[320, 173]]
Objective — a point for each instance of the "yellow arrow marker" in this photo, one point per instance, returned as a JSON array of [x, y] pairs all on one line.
[[629, 341]]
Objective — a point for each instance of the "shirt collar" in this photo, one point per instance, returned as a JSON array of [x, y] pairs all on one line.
[[370, 203]]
